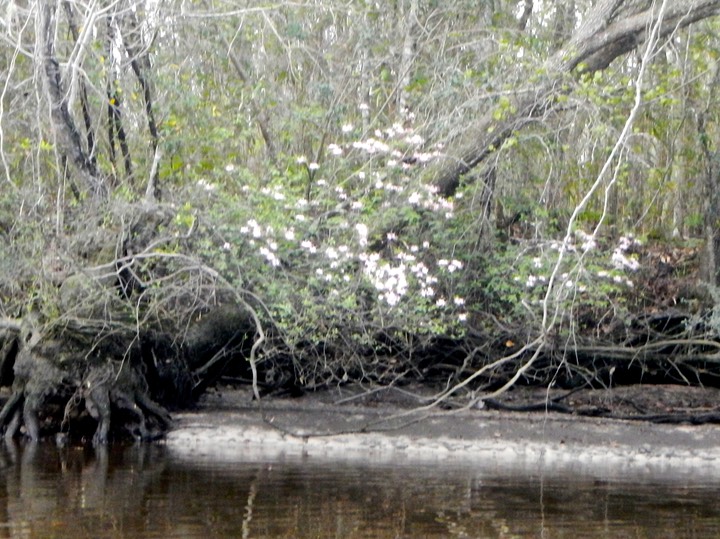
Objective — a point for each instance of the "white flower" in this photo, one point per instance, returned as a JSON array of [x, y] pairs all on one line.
[[313, 166], [462, 317], [620, 261], [206, 185], [346, 128], [301, 160], [427, 292], [392, 298], [229, 167], [415, 140], [363, 106], [270, 256], [253, 225], [458, 300], [588, 245]]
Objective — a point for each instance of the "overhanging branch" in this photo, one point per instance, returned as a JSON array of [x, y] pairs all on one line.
[[612, 28]]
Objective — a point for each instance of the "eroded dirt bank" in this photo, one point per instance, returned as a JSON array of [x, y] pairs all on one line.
[[228, 425]]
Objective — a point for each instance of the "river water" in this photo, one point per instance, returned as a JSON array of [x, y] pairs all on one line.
[[152, 491]]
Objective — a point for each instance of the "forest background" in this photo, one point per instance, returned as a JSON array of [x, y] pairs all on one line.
[[472, 194]]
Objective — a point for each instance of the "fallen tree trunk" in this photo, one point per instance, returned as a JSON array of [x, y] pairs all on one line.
[[611, 29]]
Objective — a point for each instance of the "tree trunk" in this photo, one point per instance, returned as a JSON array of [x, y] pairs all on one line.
[[66, 131], [710, 267], [711, 212], [611, 28], [406, 28]]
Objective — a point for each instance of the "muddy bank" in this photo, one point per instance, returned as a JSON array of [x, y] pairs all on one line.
[[336, 426]]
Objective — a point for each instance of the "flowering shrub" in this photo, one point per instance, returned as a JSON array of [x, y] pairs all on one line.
[[591, 278], [340, 252], [352, 248]]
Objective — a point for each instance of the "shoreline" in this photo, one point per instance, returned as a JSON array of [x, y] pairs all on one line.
[[227, 428]]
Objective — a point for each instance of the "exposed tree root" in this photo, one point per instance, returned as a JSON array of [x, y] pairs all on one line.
[[47, 399], [117, 390]]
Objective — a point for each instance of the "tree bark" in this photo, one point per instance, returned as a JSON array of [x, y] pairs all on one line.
[[710, 267], [611, 28], [84, 102], [406, 28], [64, 125], [116, 129], [140, 63]]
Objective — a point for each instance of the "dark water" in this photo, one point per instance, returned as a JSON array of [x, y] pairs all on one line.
[[145, 491]]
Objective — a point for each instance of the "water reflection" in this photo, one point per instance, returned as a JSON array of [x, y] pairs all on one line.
[[145, 491]]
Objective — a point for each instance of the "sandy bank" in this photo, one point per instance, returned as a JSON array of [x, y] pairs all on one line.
[[230, 427]]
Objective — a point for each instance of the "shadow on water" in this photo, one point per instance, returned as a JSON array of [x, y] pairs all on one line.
[[146, 491]]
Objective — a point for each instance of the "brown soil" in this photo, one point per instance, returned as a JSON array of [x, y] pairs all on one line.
[[658, 403], [651, 403]]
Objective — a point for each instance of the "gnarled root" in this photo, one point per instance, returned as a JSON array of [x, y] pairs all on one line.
[[46, 399], [107, 393], [10, 416], [36, 379]]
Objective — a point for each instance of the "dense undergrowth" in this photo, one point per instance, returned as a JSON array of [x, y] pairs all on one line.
[[295, 282]]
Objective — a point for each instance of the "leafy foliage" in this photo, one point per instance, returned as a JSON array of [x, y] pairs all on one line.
[[293, 148]]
